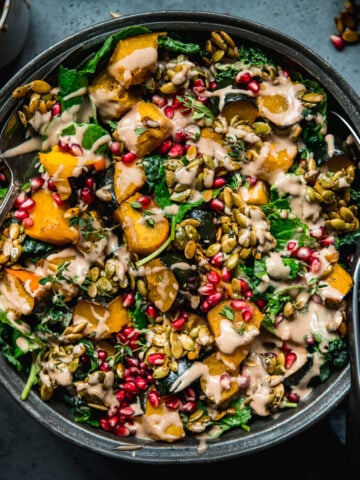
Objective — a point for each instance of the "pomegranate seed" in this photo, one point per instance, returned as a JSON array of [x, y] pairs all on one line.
[[2, 178], [285, 73], [113, 421], [128, 157], [141, 383], [128, 299], [190, 394], [173, 403], [20, 199], [293, 397], [165, 147], [248, 294], [243, 77], [213, 277], [291, 246], [156, 358], [317, 232], [337, 41], [175, 103], [205, 306], [214, 299], [203, 99], [126, 411], [178, 323], [27, 222], [104, 367], [120, 395], [252, 181], [212, 85], [85, 359], [133, 362], [238, 305], [129, 332], [113, 410], [75, 149], [154, 398], [327, 241], [253, 86], [225, 381], [63, 145], [104, 424], [144, 201], [244, 286], [87, 195], [176, 150], [179, 135], [36, 183], [219, 182], [304, 253], [225, 274], [199, 89], [159, 101], [247, 314], [130, 387], [27, 204], [102, 355], [115, 148], [121, 431], [199, 82], [132, 372], [260, 303], [285, 347], [51, 186], [218, 259], [57, 199], [151, 311], [315, 265], [290, 358], [21, 214], [55, 109], [216, 204], [188, 407], [134, 343], [89, 182], [169, 111], [207, 289]]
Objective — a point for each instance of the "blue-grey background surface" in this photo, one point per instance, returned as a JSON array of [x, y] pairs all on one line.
[[29, 451]]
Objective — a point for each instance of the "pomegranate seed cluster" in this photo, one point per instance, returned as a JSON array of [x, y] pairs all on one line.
[[175, 266]]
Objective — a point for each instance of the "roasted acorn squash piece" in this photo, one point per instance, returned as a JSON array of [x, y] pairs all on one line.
[[134, 58], [144, 128], [49, 223], [128, 179], [103, 320], [145, 231], [162, 285], [162, 423]]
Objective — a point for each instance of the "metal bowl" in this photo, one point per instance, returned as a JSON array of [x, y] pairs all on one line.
[[266, 432]]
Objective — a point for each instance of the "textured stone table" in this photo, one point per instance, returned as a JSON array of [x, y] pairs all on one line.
[[28, 450]]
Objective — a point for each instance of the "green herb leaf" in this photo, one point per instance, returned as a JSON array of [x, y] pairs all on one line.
[[178, 46]]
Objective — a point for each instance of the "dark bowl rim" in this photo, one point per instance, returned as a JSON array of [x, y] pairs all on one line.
[[228, 447]]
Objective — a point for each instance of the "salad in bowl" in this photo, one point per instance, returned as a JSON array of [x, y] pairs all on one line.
[[178, 264]]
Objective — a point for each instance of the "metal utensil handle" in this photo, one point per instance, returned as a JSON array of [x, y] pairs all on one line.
[[9, 199], [349, 126]]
